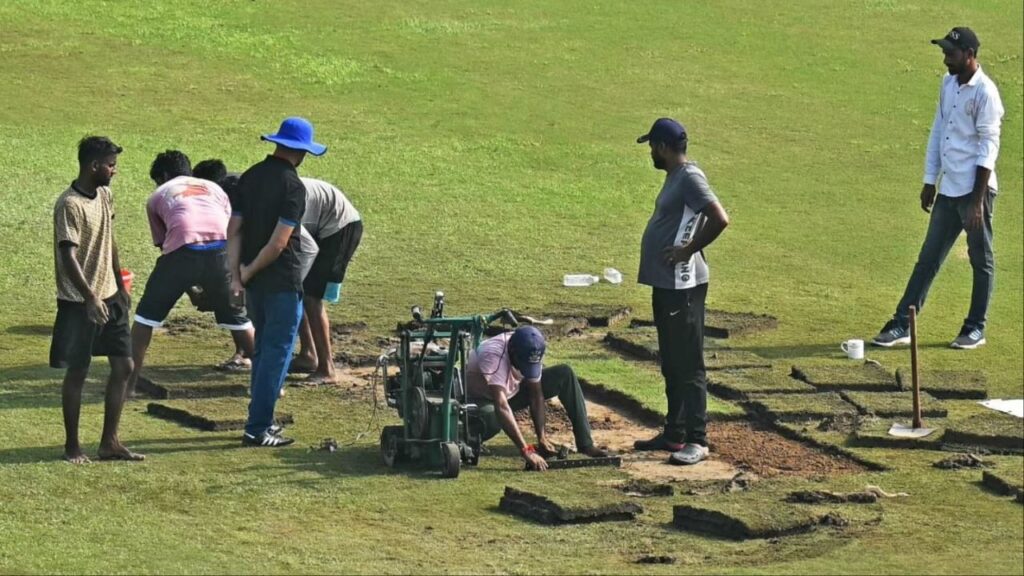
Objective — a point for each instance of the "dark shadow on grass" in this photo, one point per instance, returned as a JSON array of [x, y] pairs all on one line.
[[364, 460], [149, 447], [38, 386], [31, 330]]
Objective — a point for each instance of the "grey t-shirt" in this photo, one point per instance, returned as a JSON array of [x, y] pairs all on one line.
[[327, 209], [677, 216]]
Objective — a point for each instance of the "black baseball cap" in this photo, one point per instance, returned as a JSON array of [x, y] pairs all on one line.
[[664, 130], [959, 38]]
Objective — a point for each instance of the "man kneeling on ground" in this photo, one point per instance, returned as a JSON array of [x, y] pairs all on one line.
[[188, 218], [496, 371]]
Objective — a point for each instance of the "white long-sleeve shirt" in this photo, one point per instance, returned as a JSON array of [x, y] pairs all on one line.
[[965, 134]]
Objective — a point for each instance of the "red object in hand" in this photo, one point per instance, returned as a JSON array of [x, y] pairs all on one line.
[[529, 449], [126, 279]]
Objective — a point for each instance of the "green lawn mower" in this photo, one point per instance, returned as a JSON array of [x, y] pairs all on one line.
[[439, 426]]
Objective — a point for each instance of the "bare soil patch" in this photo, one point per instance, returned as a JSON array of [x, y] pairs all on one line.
[[735, 446]]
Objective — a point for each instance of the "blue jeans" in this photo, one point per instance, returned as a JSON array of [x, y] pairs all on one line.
[[948, 218], [275, 317]]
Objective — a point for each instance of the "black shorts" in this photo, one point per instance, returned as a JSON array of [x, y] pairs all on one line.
[[76, 340], [332, 260], [180, 270]]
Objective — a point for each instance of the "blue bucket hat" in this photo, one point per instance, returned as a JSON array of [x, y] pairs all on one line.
[[526, 350], [296, 133]]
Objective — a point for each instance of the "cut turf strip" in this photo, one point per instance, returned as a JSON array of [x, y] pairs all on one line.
[[1004, 482], [542, 509], [640, 343], [875, 434], [947, 384], [739, 384], [727, 359], [767, 519], [993, 431], [209, 415], [893, 404], [866, 377], [597, 315], [721, 324], [795, 407], [190, 390]]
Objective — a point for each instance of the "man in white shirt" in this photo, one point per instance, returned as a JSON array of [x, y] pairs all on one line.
[[961, 161]]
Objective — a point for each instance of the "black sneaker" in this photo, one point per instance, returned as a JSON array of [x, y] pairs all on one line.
[[891, 335], [658, 443], [266, 439], [969, 339]]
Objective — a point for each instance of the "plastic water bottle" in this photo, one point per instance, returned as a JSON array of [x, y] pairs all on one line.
[[579, 280], [612, 276]]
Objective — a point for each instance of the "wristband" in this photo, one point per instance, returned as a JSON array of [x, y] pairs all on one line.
[[527, 450]]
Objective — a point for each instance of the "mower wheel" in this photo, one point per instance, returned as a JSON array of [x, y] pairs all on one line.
[[451, 460], [390, 445]]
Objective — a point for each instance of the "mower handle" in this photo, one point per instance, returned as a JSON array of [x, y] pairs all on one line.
[[506, 316]]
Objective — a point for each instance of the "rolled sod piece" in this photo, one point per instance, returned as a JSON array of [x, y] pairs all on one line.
[[866, 376], [947, 384], [894, 404]]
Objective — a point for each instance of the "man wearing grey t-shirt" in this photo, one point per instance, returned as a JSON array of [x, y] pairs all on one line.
[[687, 218]]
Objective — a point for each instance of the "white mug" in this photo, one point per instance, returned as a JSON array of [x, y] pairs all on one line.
[[854, 349]]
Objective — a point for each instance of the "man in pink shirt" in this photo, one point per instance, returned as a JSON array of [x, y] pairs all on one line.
[[188, 219], [497, 371]]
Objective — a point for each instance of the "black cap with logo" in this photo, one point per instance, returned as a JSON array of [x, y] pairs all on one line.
[[959, 38]]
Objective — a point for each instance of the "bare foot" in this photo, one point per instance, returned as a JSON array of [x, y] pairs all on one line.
[[302, 365], [319, 379], [119, 453], [76, 458], [595, 452]]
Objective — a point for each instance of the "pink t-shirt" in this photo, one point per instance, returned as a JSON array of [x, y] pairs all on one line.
[[187, 210], [491, 365]]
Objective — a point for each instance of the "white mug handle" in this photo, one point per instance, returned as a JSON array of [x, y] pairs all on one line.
[[844, 347]]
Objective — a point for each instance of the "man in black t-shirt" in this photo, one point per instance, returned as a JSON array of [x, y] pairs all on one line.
[[263, 253]]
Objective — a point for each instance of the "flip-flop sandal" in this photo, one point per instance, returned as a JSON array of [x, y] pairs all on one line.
[[315, 382], [235, 365], [293, 369], [126, 456]]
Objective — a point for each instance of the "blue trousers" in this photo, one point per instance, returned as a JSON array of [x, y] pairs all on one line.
[[275, 317], [947, 222]]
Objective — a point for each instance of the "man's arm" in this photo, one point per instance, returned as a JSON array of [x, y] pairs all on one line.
[[270, 251], [717, 221], [987, 122], [235, 253], [507, 419], [538, 411], [116, 260], [95, 309]]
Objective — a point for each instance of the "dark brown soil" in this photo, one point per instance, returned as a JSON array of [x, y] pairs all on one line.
[[747, 446], [766, 453], [961, 461], [721, 324]]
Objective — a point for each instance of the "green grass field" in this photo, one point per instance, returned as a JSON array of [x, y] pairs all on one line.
[[490, 148]]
